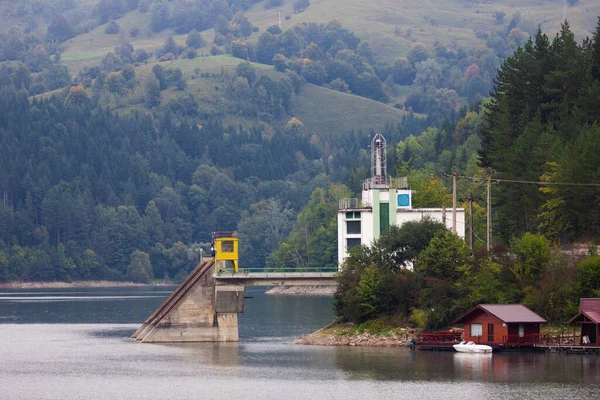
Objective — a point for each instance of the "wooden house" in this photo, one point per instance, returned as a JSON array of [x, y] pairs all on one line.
[[501, 325], [589, 320]]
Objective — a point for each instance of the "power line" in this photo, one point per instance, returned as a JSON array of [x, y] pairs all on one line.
[[541, 183], [488, 179], [547, 183]]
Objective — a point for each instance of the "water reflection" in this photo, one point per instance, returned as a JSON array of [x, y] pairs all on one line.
[[223, 354], [473, 366]]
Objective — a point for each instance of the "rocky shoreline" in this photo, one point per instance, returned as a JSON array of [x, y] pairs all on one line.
[[346, 335], [302, 290], [75, 284]]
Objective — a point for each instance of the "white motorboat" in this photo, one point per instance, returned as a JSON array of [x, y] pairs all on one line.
[[471, 347]]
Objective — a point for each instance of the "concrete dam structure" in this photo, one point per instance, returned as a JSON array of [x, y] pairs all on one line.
[[205, 306], [197, 311]]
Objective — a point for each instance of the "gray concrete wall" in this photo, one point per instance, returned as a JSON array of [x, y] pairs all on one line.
[[194, 318]]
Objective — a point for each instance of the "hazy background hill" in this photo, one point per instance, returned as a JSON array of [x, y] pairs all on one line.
[[390, 28]]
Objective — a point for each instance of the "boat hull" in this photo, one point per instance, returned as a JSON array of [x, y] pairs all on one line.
[[472, 348]]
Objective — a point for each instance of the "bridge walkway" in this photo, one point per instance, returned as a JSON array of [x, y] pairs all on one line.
[[291, 277]]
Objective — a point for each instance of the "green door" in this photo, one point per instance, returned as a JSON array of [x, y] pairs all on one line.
[[384, 218]]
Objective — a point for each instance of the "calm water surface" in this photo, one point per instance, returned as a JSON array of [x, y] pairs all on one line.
[[74, 344]]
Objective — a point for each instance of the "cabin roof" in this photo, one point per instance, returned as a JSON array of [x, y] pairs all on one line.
[[589, 304], [508, 313], [593, 316]]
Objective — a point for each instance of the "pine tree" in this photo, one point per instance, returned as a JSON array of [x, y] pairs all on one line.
[[596, 53], [564, 81]]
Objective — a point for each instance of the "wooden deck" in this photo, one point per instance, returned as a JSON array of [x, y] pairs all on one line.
[[571, 344], [570, 349], [438, 341]]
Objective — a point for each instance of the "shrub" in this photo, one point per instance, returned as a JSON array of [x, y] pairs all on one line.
[[195, 40], [112, 28]]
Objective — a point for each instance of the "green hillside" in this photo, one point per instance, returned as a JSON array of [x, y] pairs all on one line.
[[321, 110], [391, 27], [326, 110]]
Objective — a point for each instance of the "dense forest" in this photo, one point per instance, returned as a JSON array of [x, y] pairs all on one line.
[[542, 125], [84, 189]]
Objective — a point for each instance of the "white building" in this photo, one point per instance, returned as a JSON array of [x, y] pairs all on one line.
[[385, 202]]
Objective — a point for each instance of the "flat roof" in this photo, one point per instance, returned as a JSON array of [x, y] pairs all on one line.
[[406, 210]]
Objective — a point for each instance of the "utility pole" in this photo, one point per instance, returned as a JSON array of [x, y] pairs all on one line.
[[470, 200], [454, 174], [471, 244], [489, 209], [444, 214]]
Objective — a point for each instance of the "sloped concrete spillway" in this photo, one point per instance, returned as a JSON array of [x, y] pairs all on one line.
[[197, 311]]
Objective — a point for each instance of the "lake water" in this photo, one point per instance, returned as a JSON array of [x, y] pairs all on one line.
[[74, 344]]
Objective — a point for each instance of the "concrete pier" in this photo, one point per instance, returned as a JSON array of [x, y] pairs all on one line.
[[205, 307], [197, 311]]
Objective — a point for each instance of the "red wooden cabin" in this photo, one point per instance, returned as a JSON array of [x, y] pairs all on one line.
[[589, 319], [501, 325]]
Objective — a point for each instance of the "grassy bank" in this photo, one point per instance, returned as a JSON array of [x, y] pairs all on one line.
[[383, 332]]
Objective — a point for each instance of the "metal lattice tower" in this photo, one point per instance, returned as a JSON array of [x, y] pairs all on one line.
[[378, 159]]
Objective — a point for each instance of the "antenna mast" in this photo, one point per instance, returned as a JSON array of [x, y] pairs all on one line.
[[378, 160]]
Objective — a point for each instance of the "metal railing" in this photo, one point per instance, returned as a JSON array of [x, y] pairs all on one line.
[[439, 337], [378, 182], [278, 271], [529, 339], [353, 203], [560, 340]]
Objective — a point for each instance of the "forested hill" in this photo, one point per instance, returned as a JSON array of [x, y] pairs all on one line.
[[87, 194], [431, 57], [129, 130], [542, 125], [83, 189]]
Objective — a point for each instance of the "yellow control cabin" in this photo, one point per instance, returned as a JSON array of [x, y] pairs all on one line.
[[225, 249]]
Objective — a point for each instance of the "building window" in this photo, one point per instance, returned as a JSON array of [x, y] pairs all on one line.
[[476, 330], [350, 243], [353, 227], [521, 330], [227, 246], [353, 215]]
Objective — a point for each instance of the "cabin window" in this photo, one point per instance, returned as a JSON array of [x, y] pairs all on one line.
[[476, 330], [353, 227], [227, 246], [521, 330]]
